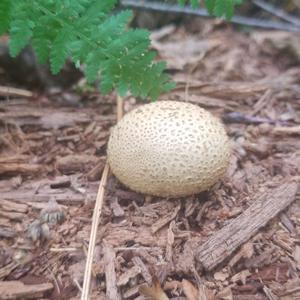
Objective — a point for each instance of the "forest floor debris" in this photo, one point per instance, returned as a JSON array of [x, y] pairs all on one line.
[[53, 151]]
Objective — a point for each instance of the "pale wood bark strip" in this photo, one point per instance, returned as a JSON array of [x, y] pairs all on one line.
[[17, 290], [266, 206], [112, 292]]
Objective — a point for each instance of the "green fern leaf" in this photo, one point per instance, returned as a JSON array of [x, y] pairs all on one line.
[[93, 63], [111, 28], [195, 3], [210, 5], [5, 11], [60, 50], [223, 8], [45, 32], [20, 34], [21, 26], [85, 31]]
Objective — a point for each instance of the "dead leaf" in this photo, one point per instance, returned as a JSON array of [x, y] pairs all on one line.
[[154, 292], [189, 290]]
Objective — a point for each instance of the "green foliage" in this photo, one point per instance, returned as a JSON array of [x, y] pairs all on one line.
[[86, 32], [218, 8], [4, 15]]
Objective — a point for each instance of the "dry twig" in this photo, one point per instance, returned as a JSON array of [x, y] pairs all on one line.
[[96, 219]]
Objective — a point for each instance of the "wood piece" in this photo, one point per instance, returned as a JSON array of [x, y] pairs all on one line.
[[6, 232], [128, 275], [10, 290], [117, 210], [7, 269], [249, 297], [10, 184], [144, 269], [165, 220], [10, 91], [112, 292], [288, 224], [20, 168], [224, 242], [60, 182], [95, 173], [15, 216], [45, 118], [74, 163], [70, 198], [14, 207], [269, 293], [283, 130], [227, 90]]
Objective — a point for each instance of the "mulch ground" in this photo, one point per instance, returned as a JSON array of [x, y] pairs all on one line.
[[53, 151]]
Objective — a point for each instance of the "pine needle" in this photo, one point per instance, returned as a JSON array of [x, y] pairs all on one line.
[[96, 218]]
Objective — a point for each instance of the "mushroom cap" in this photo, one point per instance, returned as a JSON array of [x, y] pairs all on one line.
[[168, 149]]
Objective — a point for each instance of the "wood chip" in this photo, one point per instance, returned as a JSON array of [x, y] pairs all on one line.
[[144, 269], [10, 91], [95, 173], [10, 290], [15, 216], [241, 276], [221, 276], [6, 232], [269, 293], [225, 294], [130, 273], [296, 256], [283, 130], [266, 206], [13, 169], [13, 206], [60, 182], [112, 292], [117, 210], [74, 163], [165, 220]]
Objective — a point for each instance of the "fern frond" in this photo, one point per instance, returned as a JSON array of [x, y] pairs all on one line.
[[86, 32], [45, 32], [5, 13], [60, 49], [222, 8]]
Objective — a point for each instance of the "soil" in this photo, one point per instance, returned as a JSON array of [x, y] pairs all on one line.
[[240, 240]]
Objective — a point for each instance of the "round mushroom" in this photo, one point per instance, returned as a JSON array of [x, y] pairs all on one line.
[[168, 149]]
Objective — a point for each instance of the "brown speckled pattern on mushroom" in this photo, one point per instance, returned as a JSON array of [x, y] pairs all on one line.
[[168, 149]]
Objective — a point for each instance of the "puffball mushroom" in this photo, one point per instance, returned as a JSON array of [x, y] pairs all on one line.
[[168, 149]]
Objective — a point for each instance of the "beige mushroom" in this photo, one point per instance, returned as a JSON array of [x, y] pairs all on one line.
[[168, 149]]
